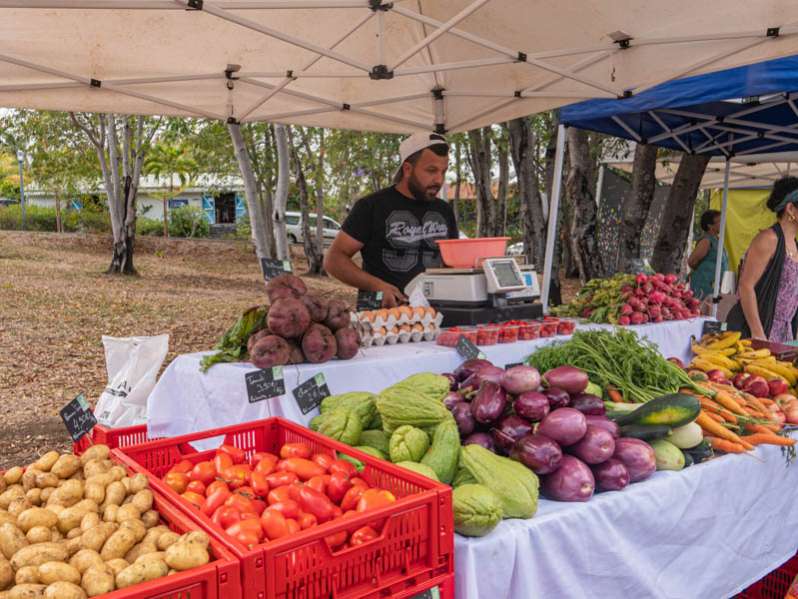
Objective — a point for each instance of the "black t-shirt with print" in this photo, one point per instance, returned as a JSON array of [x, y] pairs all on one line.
[[398, 234]]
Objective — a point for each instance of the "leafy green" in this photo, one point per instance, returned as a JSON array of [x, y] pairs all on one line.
[[233, 344]]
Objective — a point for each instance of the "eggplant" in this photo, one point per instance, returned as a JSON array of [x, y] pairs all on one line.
[[558, 398], [572, 481], [595, 447], [469, 367], [489, 403], [566, 426], [537, 452], [475, 380], [611, 475], [533, 405], [463, 417], [481, 439], [638, 457], [605, 423], [510, 429], [520, 379], [453, 382], [588, 404], [568, 378]]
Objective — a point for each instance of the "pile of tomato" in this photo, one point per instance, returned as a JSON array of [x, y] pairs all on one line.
[[269, 497]]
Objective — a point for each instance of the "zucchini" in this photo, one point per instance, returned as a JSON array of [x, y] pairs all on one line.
[[701, 452], [645, 432], [688, 459], [672, 410]]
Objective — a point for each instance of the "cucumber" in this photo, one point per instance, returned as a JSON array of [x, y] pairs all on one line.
[[645, 432], [688, 459], [700, 452], [672, 410]]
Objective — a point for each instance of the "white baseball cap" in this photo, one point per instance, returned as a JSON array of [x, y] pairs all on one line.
[[417, 142]]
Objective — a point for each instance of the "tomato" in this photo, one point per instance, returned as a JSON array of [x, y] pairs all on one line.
[[279, 495], [343, 466], [359, 482], [316, 483], [194, 499], [278, 479], [237, 455], [196, 486], [258, 505], [182, 466], [307, 520], [260, 485], [250, 515], [363, 535], [177, 481], [350, 500], [337, 512], [241, 503], [215, 486], [226, 516], [252, 526], [304, 469], [246, 492], [267, 464], [288, 508], [324, 460], [316, 503], [261, 455], [248, 538], [236, 476], [293, 526], [222, 462], [337, 486], [295, 450], [204, 472], [274, 524], [336, 540], [293, 490], [374, 498], [215, 500]]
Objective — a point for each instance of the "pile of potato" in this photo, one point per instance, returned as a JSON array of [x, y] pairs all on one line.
[[75, 527]]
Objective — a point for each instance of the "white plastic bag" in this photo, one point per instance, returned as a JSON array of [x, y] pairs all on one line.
[[132, 364]]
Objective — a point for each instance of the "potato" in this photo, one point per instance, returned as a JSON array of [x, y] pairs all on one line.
[[150, 518], [18, 506], [104, 479], [68, 494], [51, 572], [34, 497], [141, 572], [44, 495], [27, 575], [73, 545], [36, 516], [95, 452], [142, 548], [57, 536], [197, 536], [13, 475], [138, 483], [85, 559], [6, 574], [11, 540], [118, 472], [128, 512], [74, 533], [11, 494], [116, 565], [70, 517], [66, 466], [46, 479], [184, 555], [36, 555], [143, 500], [109, 513], [138, 529], [64, 590], [39, 534], [3, 484], [6, 517], [98, 581], [96, 467], [27, 591], [46, 462], [114, 494], [166, 540], [95, 538], [155, 555], [89, 521], [29, 479], [118, 544]]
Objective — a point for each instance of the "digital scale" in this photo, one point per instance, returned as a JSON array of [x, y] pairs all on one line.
[[498, 290]]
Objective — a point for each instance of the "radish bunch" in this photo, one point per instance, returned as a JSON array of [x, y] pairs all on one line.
[[657, 298]]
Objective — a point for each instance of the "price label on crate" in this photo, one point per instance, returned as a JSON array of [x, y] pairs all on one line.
[[274, 268], [310, 393], [78, 417], [511, 364], [712, 326], [265, 384], [466, 348], [429, 594], [369, 300]]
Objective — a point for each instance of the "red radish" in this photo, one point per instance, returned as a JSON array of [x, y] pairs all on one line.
[[641, 279], [671, 279], [715, 375], [637, 318], [626, 309], [777, 387], [624, 321]]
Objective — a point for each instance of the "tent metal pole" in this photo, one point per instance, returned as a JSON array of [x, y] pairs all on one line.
[[619, 121], [170, 5], [600, 184], [380, 37], [721, 239], [665, 127], [551, 235], [453, 66]]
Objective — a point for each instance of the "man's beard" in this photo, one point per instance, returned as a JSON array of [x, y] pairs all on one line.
[[420, 193]]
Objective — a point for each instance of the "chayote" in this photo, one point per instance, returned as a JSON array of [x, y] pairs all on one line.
[[477, 510], [463, 477], [360, 401], [419, 468], [399, 406], [372, 452], [376, 439], [342, 425], [444, 452], [316, 421], [432, 387], [408, 444]]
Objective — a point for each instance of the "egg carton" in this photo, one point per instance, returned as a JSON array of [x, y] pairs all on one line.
[[402, 315], [403, 333]]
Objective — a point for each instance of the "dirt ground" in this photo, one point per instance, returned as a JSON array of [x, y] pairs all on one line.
[[56, 303]]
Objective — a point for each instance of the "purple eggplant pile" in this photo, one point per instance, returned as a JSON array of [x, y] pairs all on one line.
[[552, 424]]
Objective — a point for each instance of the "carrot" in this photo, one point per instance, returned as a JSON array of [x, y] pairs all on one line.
[[758, 404], [715, 417], [713, 428], [765, 401], [614, 394], [767, 429], [769, 439], [727, 401], [711, 407], [724, 445]]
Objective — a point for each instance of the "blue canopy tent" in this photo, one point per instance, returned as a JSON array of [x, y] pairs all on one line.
[[745, 111]]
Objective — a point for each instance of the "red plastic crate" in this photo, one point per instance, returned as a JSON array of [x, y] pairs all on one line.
[[414, 552], [112, 437], [775, 585]]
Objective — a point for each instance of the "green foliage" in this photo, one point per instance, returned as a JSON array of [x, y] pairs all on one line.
[[39, 218], [149, 226], [188, 221]]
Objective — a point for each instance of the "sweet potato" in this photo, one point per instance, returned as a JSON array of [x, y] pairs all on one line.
[[317, 306], [295, 356], [348, 342], [318, 344], [285, 286], [288, 318], [255, 337], [338, 315], [270, 351]]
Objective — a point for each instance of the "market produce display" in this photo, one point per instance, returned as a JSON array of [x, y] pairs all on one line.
[[268, 497], [75, 527], [508, 332], [633, 299], [296, 327], [404, 324]]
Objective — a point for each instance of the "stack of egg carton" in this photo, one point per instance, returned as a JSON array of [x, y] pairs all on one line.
[[397, 325]]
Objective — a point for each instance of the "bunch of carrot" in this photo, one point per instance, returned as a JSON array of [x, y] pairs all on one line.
[[730, 410]]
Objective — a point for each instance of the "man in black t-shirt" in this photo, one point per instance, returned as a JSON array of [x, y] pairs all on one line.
[[395, 228]]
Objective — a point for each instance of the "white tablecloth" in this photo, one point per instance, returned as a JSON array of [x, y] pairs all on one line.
[[185, 400], [706, 532]]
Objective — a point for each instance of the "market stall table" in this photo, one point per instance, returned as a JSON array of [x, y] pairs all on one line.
[[709, 531], [186, 400]]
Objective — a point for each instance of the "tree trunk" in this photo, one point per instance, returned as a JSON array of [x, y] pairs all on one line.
[[672, 239], [533, 225], [318, 268], [308, 244], [166, 214], [458, 173], [58, 225], [637, 203], [555, 293], [480, 161], [500, 224], [281, 195]]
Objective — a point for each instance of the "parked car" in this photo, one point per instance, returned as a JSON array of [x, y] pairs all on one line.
[[293, 225], [515, 249]]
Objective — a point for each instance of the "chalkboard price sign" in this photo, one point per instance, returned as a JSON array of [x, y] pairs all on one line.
[[712, 326], [265, 384], [310, 393], [78, 417], [511, 364], [273, 268], [369, 300], [466, 348]]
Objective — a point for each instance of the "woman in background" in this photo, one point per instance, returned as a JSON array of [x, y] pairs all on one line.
[[702, 260], [768, 306]]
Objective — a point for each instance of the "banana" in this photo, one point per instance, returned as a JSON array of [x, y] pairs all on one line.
[[746, 342], [785, 370], [754, 355], [700, 350], [728, 339], [721, 361], [765, 373], [705, 365]]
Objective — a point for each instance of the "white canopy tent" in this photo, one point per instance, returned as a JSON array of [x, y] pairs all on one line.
[[446, 65]]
